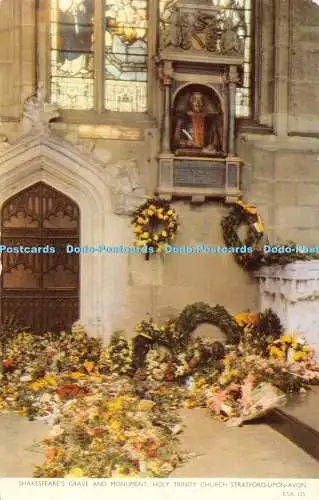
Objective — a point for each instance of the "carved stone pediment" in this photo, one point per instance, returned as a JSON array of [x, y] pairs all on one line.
[[202, 26]]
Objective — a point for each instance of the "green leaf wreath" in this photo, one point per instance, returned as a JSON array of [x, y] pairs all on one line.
[[247, 215]]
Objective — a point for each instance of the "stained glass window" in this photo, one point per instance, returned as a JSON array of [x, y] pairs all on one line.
[[118, 43], [240, 12], [72, 57], [125, 55]]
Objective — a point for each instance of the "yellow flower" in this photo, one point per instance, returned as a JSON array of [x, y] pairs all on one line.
[[156, 237], [276, 352], [115, 426], [76, 375], [50, 380], [299, 356], [140, 220], [166, 217], [145, 405], [164, 233], [287, 339], [88, 365], [138, 229], [143, 334], [241, 318], [75, 472], [250, 209], [152, 207], [145, 235], [259, 227]]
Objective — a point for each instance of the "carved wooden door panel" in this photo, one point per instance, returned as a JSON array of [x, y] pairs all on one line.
[[40, 289]]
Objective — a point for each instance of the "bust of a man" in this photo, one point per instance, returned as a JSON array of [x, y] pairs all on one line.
[[198, 129]]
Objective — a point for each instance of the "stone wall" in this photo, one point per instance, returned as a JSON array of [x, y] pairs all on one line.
[[303, 68], [282, 179], [168, 282]]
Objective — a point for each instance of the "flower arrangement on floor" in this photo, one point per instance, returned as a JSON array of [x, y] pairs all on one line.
[[110, 433], [247, 215], [114, 409], [155, 224]]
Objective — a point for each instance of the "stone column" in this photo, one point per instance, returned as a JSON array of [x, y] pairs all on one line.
[[232, 81], [166, 76]]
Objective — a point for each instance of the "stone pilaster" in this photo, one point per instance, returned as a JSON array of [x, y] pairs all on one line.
[[166, 77], [232, 81]]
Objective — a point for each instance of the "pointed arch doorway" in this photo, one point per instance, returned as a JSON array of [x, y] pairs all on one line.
[[41, 290]]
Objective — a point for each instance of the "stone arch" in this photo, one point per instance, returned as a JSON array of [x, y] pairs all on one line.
[[82, 178]]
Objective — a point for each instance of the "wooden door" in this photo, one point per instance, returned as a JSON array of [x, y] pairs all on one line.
[[40, 289]]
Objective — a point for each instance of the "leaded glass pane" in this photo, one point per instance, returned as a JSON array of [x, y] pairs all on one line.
[[72, 58], [126, 55], [241, 14]]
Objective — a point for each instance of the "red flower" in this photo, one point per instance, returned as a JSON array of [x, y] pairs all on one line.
[[8, 363], [71, 391]]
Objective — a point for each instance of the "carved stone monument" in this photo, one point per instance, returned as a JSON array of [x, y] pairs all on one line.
[[200, 50]]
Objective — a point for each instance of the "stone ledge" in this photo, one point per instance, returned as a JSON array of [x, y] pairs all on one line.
[[298, 270]]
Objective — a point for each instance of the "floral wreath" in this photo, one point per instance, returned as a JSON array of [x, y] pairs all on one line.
[[155, 224], [248, 215]]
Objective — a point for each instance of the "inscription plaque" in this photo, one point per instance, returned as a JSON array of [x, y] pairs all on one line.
[[196, 173]]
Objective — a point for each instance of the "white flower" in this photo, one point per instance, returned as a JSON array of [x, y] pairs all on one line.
[[56, 431], [45, 398], [301, 340]]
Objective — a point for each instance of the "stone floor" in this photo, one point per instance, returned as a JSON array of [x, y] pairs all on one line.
[[254, 450], [305, 407], [20, 445]]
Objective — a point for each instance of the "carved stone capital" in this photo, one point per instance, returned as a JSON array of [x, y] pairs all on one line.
[[231, 79], [38, 113], [166, 73]]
